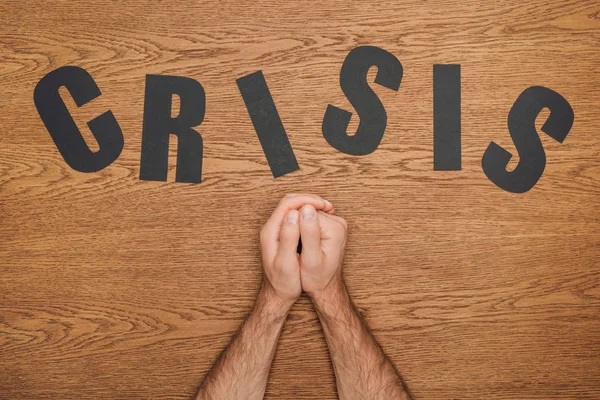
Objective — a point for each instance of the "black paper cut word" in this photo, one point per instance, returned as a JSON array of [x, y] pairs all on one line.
[[62, 128], [446, 117], [267, 124], [159, 125], [373, 118], [521, 124]]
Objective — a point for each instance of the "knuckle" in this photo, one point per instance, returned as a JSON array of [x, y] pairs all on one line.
[[342, 222], [285, 233], [262, 235]]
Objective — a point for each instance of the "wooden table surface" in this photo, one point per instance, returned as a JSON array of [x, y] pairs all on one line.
[[116, 288]]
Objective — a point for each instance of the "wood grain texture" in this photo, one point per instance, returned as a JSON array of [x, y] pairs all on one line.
[[116, 288]]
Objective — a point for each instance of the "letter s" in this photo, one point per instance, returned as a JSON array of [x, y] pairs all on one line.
[[373, 118], [521, 124]]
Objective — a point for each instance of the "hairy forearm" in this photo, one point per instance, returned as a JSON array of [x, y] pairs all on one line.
[[242, 370], [361, 368]]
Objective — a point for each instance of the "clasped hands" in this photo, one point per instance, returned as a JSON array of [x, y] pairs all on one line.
[[362, 370], [318, 268]]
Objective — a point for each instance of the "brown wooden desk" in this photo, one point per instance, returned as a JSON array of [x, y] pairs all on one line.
[[117, 288]]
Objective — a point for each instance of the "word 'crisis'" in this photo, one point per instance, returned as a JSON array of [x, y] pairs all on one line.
[[158, 123]]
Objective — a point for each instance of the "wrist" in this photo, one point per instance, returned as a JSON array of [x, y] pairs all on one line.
[[271, 305], [331, 300]]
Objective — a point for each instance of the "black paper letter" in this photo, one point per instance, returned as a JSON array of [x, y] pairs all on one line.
[[159, 125], [373, 118], [446, 117], [267, 124], [62, 128], [521, 124]]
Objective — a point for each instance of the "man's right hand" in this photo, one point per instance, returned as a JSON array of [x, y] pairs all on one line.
[[323, 238], [362, 370]]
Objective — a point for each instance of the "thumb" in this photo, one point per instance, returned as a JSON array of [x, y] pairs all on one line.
[[288, 237], [310, 233]]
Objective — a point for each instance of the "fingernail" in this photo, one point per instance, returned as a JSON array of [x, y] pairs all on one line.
[[292, 217], [327, 203], [308, 212]]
